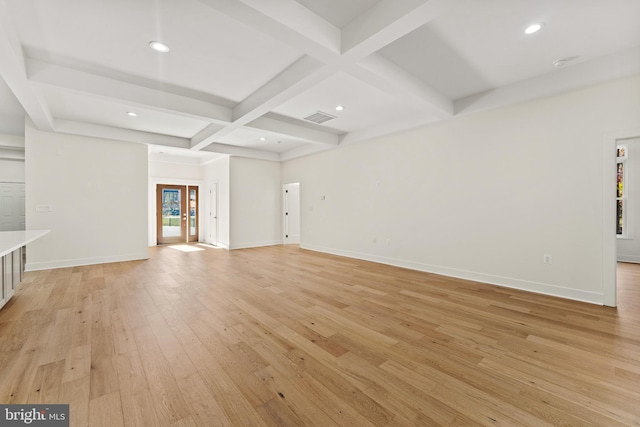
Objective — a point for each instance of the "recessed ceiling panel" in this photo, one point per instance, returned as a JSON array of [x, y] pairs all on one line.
[[483, 45], [426, 55], [209, 52], [364, 105], [71, 106], [338, 12], [265, 141]]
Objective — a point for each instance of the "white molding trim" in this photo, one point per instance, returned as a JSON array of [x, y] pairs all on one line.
[[247, 245], [65, 263], [507, 282], [629, 258]]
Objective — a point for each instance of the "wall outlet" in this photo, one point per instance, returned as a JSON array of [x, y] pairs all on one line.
[[546, 258]]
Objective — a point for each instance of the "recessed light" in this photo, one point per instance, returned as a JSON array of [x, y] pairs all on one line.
[[533, 28], [339, 107], [159, 46], [263, 139], [132, 114]]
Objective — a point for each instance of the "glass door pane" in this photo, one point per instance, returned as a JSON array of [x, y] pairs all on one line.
[[172, 214], [193, 214]]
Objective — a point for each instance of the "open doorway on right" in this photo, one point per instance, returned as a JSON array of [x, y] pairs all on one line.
[[628, 224]]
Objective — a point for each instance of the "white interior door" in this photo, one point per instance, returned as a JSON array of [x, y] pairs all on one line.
[[12, 206], [292, 213], [213, 214]]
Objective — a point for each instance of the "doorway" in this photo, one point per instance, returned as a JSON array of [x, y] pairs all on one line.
[[177, 214], [610, 217], [292, 213], [12, 206]]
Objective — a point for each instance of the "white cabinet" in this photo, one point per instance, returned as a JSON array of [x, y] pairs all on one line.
[[12, 259], [12, 266]]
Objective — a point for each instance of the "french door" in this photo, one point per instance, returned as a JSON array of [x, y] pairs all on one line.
[[177, 213]]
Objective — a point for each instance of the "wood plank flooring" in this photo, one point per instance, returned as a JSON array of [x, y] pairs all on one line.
[[280, 336]]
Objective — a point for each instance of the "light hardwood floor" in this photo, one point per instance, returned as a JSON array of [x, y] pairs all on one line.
[[280, 336]]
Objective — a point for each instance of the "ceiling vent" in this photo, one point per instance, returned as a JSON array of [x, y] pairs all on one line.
[[319, 117]]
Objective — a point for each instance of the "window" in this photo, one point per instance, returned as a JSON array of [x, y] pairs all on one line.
[[621, 191]]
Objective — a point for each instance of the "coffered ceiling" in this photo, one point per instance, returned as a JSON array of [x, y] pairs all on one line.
[[242, 76]]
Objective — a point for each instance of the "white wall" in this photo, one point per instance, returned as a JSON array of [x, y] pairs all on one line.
[[482, 197], [255, 203], [175, 172], [629, 248], [218, 171], [97, 189], [11, 171]]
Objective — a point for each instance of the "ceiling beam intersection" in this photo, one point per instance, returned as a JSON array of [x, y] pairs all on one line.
[[329, 50]]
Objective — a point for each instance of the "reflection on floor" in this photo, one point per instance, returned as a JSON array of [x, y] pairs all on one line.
[[186, 248]]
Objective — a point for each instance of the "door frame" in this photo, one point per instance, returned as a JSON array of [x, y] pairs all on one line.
[[152, 205], [191, 238], [609, 241]]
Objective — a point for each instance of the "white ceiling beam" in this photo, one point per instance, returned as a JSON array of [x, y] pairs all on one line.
[[300, 76], [291, 23], [209, 135], [198, 141], [43, 73], [119, 134], [295, 79], [234, 150], [382, 74], [386, 22], [294, 16], [293, 131], [13, 71], [287, 21]]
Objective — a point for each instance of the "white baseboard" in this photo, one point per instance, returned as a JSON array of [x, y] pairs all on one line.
[[629, 258], [507, 282], [255, 244], [220, 245], [48, 265]]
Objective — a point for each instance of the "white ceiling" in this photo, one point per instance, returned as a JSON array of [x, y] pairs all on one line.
[[242, 74]]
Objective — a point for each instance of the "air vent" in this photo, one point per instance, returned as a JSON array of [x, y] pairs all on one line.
[[319, 117]]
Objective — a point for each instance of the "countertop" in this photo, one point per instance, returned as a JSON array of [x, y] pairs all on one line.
[[12, 240]]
